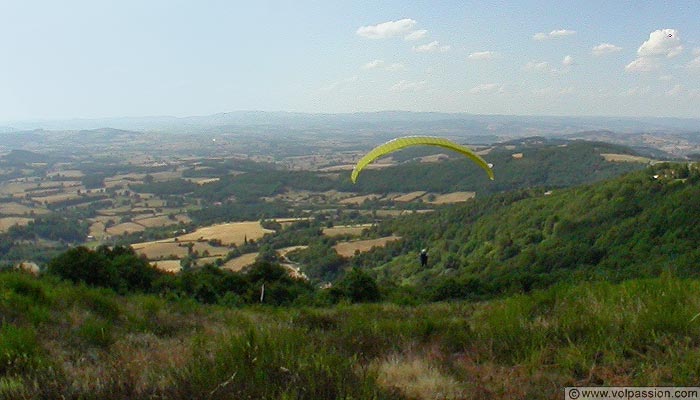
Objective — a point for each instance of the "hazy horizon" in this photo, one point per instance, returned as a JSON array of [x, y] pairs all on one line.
[[86, 60]]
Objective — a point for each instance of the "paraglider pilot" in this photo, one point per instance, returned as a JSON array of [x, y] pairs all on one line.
[[424, 258]]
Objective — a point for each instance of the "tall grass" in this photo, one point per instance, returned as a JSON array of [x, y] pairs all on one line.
[[64, 340]]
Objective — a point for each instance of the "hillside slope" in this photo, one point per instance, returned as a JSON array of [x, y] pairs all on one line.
[[637, 225]]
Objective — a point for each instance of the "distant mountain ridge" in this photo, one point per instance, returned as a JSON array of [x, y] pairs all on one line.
[[497, 124]]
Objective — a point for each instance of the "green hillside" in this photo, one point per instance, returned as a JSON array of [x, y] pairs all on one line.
[[638, 225]]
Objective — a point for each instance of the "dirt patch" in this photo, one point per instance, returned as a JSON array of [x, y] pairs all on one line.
[[347, 249]]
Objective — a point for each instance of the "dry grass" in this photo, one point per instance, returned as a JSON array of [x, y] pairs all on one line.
[[240, 262], [416, 378], [454, 197], [410, 196], [347, 249], [624, 158], [230, 233], [8, 222], [126, 227], [517, 156], [341, 230]]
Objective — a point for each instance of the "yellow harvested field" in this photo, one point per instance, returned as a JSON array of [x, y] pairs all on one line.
[[202, 261], [168, 265], [230, 233], [409, 196], [56, 198], [163, 220], [434, 158], [16, 188], [8, 222], [347, 249], [166, 175], [97, 229], [126, 227], [454, 197], [284, 250], [160, 250], [624, 158], [68, 173], [203, 181], [19, 209], [346, 230], [359, 199], [240, 262], [517, 156]]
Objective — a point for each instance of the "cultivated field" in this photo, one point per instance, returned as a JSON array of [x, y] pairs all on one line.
[[162, 220], [19, 209], [230, 233], [408, 197], [347, 249], [454, 197], [169, 249], [168, 265], [240, 262], [7, 222], [624, 158], [126, 227], [359, 199], [340, 230]]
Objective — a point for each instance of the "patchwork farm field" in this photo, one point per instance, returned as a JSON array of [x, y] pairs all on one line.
[[229, 233], [348, 249]]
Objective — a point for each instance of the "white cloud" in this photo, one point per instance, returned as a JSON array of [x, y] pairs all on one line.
[[431, 47], [485, 88], [416, 35], [676, 90], [403, 86], [374, 64], [542, 66], [553, 34], [605, 48], [662, 42], [642, 64], [636, 91], [483, 55], [694, 63], [551, 91], [696, 52], [395, 67], [339, 84], [666, 78], [567, 61], [387, 29], [380, 64]]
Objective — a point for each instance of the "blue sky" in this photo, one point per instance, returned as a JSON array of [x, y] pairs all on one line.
[[76, 59]]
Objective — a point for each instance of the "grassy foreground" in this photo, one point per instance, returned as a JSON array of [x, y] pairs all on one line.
[[59, 340]]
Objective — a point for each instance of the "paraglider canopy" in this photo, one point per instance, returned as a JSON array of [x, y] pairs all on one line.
[[400, 143]]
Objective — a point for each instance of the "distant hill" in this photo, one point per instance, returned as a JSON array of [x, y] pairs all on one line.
[[640, 225], [23, 157]]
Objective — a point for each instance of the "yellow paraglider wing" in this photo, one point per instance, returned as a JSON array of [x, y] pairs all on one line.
[[400, 143]]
